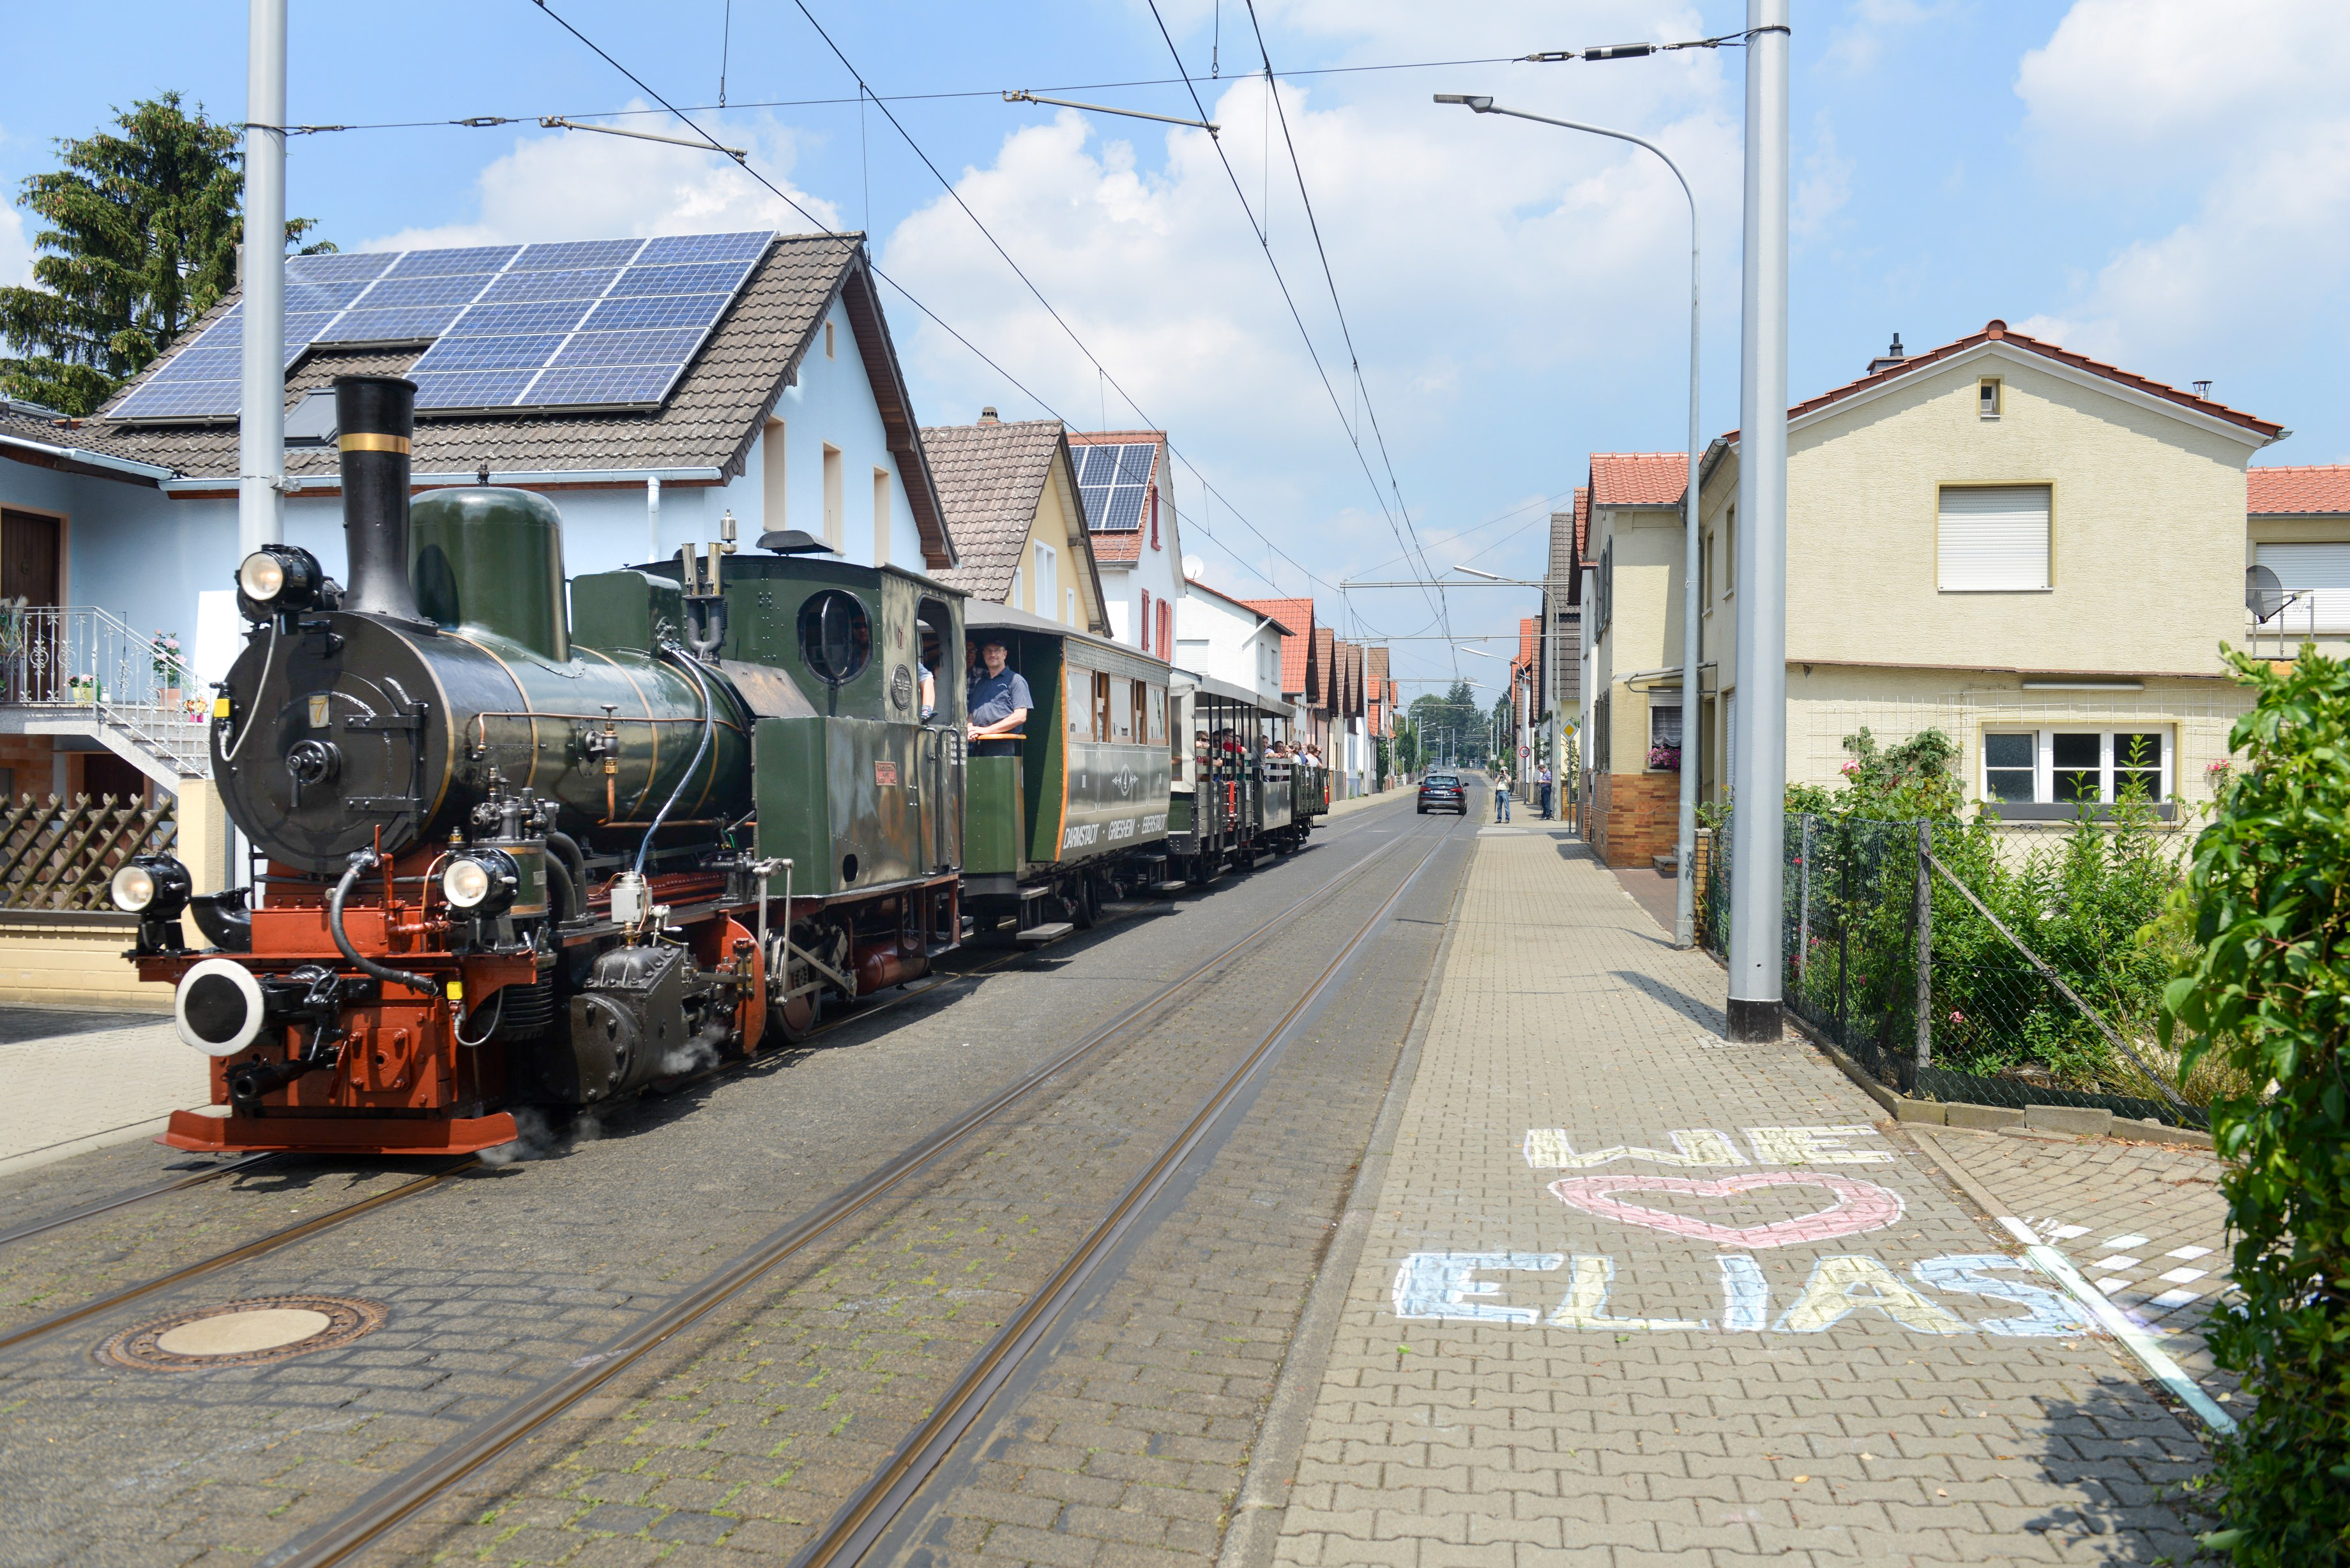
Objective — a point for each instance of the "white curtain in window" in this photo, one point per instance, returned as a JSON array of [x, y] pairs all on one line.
[[1993, 538], [2322, 571]]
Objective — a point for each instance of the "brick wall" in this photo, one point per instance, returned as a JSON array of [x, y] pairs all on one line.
[[1634, 816]]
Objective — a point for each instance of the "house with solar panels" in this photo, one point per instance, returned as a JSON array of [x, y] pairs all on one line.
[[1010, 491], [651, 387], [1130, 514]]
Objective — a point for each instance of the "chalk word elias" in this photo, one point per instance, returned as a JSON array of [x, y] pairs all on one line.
[[1444, 1287], [1547, 1148]]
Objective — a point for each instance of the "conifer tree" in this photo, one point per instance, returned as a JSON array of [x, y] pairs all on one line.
[[141, 237]]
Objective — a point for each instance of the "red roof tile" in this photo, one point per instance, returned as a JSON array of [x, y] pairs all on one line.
[[1297, 617], [1636, 479], [2298, 492], [1996, 330], [1322, 670]]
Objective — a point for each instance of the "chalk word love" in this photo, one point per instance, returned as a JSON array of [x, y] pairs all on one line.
[[1859, 1206], [1443, 1287], [1547, 1148]]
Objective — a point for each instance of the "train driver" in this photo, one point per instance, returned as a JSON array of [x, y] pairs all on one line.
[[998, 703]]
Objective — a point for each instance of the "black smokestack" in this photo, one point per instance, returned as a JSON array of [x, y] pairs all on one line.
[[375, 417]]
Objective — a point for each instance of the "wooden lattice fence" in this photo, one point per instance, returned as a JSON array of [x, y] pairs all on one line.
[[59, 855]]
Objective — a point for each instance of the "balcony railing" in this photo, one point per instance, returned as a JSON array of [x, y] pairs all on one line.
[[2294, 618], [80, 659]]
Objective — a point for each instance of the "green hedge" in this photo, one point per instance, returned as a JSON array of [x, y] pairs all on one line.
[[2270, 993]]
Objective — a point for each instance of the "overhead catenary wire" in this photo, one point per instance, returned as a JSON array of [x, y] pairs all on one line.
[[1346, 331], [1288, 295], [1101, 370], [933, 317]]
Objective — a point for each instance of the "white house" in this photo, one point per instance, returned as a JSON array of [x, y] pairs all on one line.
[[781, 402], [1218, 636], [1131, 513]]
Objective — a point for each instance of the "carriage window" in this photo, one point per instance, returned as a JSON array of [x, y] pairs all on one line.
[[836, 637], [1101, 707], [1158, 715], [1121, 712], [1079, 683]]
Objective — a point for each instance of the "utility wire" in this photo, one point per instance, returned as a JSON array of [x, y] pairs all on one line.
[[1101, 370], [1345, 332], [1288, 297]]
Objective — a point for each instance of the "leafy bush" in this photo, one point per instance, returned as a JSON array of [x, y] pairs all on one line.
[[2270, 994]]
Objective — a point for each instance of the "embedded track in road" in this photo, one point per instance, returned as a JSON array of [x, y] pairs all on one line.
[[402, 1496]]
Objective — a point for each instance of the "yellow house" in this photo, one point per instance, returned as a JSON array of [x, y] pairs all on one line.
[[1010, 493], [1632, 609], [2035, 553], [2297, 559]]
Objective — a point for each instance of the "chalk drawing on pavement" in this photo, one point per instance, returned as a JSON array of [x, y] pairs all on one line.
[[1859, 1206]]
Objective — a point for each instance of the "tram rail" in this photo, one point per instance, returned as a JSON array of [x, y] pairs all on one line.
[[401, 1496]]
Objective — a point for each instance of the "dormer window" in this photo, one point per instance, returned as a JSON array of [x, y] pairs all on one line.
[[1987, 397]]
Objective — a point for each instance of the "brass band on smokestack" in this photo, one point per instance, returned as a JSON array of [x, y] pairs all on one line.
[[375, 418]]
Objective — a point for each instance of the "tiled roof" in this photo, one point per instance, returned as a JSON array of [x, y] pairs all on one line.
[[1124, 547], [1529, 635], [991, 480], [710, 420], [1564, 557], [19, 424], [1581, 523], [1298, 615], [2297, 492], [1194, 585], [1638, 478], [1323, 671], [1996, 330]]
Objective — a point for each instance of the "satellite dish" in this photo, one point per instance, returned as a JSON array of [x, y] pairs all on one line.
[[2263, 593], [793, 542]]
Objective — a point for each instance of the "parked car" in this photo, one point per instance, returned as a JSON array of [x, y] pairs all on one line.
[[1442, 791]]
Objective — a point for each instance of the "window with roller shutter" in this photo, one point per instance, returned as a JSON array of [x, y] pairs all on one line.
[[1992, 538], [2321, 573]]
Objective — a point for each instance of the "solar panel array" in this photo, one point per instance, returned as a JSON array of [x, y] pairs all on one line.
[[582, 324], [1115, 479]]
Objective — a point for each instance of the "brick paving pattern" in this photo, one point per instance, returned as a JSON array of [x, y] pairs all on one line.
[[1639, 1374], [2145, 1222]]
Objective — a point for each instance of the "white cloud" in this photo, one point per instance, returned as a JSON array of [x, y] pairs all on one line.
[[578, 185], [1858, 42], [16, 249], [2236, 115], [1489, 267], [1827, 182]]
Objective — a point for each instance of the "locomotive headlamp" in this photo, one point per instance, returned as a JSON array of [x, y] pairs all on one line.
[[482, 883], [153, 886], [277, 580]]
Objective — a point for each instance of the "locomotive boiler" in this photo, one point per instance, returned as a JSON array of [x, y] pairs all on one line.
[[515, 847]]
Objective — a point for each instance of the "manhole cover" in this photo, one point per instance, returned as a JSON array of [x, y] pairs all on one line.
[[244, 1334]]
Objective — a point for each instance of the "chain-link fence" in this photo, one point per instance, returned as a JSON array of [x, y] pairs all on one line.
[[1996, 1022]]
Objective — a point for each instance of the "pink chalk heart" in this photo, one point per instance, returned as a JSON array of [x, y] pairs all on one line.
[[1859, 1206]]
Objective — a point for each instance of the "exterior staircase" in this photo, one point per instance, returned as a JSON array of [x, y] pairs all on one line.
[[80, 670]]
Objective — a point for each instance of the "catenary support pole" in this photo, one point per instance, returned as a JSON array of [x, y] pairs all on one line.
[[260, 422], [1922, 1056], [1692, 669], [1759, 792]]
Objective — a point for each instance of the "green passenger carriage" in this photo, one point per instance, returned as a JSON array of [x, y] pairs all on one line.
[[1241, 789], [1077, 814]]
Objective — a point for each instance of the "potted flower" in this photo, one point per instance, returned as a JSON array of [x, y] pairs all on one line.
[[169, 668], [1665, 759]]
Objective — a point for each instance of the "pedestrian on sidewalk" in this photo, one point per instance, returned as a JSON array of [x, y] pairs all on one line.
[[1501, 797], [1545, 790]]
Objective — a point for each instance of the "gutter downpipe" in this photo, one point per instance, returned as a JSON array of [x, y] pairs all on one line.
[[261, 402]]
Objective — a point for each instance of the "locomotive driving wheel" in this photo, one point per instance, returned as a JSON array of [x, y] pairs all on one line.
[[792, 1018]]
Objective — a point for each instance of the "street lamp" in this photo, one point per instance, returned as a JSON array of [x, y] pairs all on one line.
[[1685, 890]]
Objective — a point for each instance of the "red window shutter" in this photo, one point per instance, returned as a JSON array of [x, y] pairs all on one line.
[[1166, 630], [1154, 517], [1142, 632]]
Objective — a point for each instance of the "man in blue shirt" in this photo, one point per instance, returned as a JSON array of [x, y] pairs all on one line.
[[998, 704]]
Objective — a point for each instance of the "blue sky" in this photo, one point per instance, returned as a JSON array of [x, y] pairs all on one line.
[[2143, 180]]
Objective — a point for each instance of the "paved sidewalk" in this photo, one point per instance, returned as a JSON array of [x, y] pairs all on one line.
[[2144, 1223], [83, 1089], [1632, 1295]]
